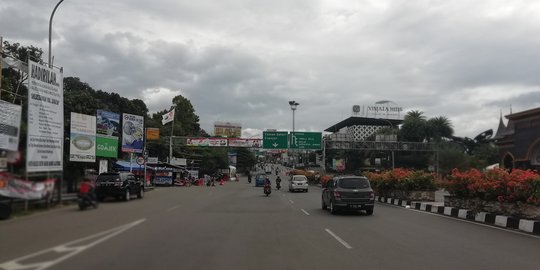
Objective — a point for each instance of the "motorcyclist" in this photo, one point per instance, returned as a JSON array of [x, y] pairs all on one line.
[[87, 191], [278, 182], [267, 182]]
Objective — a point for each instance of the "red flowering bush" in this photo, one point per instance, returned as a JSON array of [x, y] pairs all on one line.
[[496, 185], [401, 179]]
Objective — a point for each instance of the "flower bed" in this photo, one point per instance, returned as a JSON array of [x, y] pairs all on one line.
[[515, 193], [404, 184]]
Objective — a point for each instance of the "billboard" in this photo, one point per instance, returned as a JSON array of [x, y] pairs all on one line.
[[251, 143], [10, 123], [82, 147], [132, 133], [152, 133], [45, 119], [108, 130], [206, 142], [227, 129]]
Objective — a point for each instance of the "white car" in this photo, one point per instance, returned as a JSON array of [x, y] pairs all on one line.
[[298, 182]]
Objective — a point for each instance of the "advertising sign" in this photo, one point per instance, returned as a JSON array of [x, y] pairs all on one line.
[[163, 176], [227, 129], [232, 158], [82, 147], [132, 133], [10, 123], [45, 119], [13, 187], [108, 130], [152, 133], [251, 143], [213, 142]]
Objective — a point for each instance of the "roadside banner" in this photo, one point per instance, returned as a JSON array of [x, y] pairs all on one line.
[[251, 143], [107, 129], [132, 133], [212, 142], [10, 125], [232, 158], [45, 139], [14, 187], [83, 138]]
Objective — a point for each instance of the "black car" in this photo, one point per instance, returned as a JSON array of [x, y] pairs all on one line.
[[348, 193], [120, 185]]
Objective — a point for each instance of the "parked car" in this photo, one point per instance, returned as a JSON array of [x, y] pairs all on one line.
[[121, 185], [348, 192], [298, 183], [259, 179]]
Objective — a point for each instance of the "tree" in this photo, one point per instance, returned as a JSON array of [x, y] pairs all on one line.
[[438, 128], [414, 127]]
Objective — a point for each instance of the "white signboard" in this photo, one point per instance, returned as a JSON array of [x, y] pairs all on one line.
[[179, 161], [103, 166], [82, 147], [45, 119], [206, 142], [10, 123]]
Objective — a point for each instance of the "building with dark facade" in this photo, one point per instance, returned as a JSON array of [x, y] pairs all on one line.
[[519, 140]]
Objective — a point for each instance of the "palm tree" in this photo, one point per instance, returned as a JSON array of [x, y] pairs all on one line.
[[438, 128], [414, 126]]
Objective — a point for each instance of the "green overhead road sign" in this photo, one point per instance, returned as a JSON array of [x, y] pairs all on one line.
[[275, 139], [306, 140]]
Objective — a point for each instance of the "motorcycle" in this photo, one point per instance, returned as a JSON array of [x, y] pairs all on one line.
[[85, 201], [249, 179], [267, 190], [278, 186]]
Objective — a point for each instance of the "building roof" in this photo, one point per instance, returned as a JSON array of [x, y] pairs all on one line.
[[524, 114], [363, 121], [500, 130]]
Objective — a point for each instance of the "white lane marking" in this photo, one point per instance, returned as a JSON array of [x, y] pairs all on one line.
[[291, 201], [345, 244], [173, 208], [70, 249], [305, 212]]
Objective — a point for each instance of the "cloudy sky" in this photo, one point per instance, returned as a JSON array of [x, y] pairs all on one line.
[[243, 60]]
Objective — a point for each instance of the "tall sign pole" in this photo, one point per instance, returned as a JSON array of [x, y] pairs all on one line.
[[50, 32], [170, 139]]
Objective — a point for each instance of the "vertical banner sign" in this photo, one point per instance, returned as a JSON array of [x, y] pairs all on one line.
[[45, 119], [83, 138], [132, 133], [10, 123], [107, 131], [232, 158]]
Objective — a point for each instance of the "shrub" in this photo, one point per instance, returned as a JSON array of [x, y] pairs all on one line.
[[496, 185]]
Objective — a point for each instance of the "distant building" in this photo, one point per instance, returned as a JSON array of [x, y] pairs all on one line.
[[227, 129], [519, 140]]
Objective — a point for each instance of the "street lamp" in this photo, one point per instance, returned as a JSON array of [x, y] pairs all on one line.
[[294, 105], [50, 31]]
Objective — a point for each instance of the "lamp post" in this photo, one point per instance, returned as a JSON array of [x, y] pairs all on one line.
[[50, 31], [392, 128], [293, 105]]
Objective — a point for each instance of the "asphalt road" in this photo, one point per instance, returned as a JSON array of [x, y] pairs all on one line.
[[236, 227]]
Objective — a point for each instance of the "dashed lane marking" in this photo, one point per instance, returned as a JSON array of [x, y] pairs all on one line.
[[345, 244], [305, 212]]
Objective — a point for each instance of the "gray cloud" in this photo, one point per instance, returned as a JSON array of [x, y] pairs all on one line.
[[242, 61]]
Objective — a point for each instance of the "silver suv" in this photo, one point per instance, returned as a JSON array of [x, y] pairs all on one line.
[[348, 192]]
